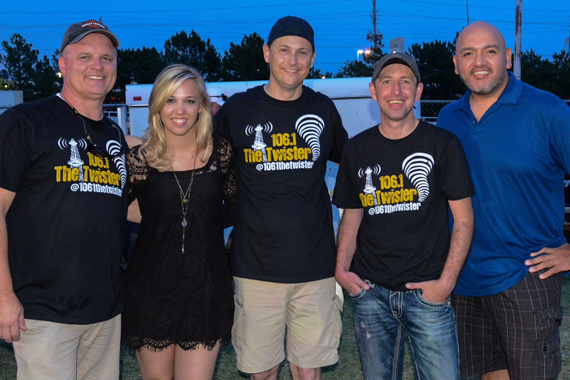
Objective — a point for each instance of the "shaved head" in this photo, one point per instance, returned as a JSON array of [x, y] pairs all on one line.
[[479, 27], [482, 59]]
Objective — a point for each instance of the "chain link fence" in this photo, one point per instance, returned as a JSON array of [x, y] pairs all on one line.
[[430, 109]]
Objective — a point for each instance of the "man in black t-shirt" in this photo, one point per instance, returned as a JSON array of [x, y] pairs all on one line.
[[283, 252], [396, 256], [62, 211]]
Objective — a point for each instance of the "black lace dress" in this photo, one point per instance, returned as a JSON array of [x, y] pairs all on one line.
[[170, 297]]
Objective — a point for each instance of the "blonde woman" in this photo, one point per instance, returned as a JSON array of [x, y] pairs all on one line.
[[178, 291]]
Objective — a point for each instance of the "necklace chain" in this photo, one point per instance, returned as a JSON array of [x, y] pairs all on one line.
[[185, 199]]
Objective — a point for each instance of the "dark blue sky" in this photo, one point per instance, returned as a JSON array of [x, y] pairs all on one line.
[[340, 26]]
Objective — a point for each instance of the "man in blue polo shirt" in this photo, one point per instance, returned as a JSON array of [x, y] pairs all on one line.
[[517, 142]]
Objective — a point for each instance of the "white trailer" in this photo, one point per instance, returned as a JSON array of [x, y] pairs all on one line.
[[10, 99], [350, 95]]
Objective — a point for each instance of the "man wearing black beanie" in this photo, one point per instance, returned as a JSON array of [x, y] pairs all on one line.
[[283, 250]]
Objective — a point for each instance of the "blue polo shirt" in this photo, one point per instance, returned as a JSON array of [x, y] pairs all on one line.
[[517, 155]]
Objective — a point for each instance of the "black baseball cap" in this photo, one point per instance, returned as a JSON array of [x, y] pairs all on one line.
[[402, 58], [77, 31], [292, 26]]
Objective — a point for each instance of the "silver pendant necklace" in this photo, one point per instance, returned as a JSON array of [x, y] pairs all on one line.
[[185, 199]]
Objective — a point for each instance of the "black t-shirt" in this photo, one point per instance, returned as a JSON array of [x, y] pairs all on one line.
[[403, 186], [65, 225], [283, 225]]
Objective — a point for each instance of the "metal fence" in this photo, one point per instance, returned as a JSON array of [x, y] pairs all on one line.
[[119, 113], [430, 109]]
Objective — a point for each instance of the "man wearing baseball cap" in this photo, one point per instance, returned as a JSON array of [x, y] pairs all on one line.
[[283, 251], [62, 211], [396, 256]]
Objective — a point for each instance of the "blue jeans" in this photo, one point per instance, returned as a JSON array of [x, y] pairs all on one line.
[[384, 318]]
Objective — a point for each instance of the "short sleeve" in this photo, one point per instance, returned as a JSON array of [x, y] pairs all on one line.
[[559, 136], [346, 194], [340, 136], [222, 123], [15, 144], [455, 177]]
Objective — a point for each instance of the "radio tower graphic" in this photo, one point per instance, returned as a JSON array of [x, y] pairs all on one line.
[[258, 143], [369, 188], [75, 161]]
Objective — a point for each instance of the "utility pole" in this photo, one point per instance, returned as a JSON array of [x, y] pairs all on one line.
[[375, 37], [567, 45], [518, 41]]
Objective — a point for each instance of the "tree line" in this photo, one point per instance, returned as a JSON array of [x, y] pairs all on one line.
[[38, 77]]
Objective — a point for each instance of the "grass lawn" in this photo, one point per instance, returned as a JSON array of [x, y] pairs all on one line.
[[348, 367]]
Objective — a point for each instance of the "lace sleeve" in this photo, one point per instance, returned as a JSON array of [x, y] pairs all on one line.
[[138, 171], [227, 164]]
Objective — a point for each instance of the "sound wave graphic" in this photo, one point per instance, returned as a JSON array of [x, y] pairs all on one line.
[[310, 128], [64, 143], [113, 148], [267, 128], [417, 167], [374, 170]]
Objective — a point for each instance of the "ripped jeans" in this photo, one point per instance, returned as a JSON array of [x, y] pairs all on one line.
[[384, 318]]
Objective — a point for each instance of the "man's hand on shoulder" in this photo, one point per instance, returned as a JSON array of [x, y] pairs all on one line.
[[554, 259], [350, 281], [11, 317]]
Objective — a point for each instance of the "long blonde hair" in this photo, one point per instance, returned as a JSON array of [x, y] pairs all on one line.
[[154, 150]]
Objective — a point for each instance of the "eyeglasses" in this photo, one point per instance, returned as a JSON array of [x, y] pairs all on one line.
[[92, 147]]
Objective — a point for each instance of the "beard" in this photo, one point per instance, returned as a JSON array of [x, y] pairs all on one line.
[[484, 88]]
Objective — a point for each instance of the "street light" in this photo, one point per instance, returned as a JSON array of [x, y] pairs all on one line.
[[366, 52]]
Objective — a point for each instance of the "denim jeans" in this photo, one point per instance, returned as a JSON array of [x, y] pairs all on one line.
[[384, 318]]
